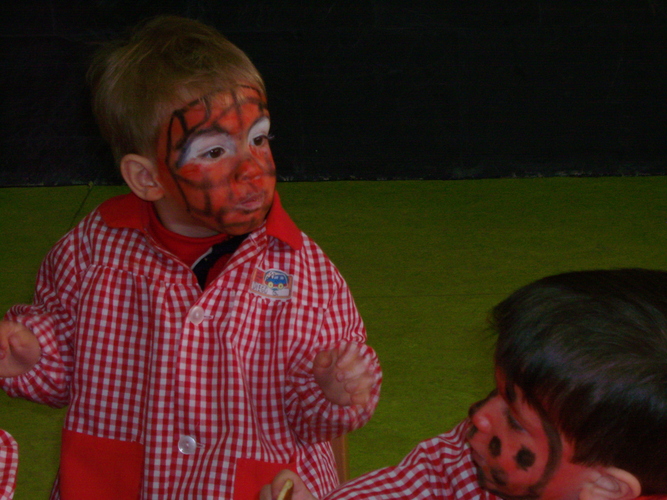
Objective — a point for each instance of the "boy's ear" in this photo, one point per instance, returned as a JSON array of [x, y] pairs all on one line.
[[611, 484], [140, 174]]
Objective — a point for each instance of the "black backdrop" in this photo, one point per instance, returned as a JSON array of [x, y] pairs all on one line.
[[372, 89]]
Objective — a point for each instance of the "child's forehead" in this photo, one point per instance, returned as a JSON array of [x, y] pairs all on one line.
[[242, 105], [224, 100], [218, 106]]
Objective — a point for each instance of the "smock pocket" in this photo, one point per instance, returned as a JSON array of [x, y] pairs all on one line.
[[94, 468], [251, 475]]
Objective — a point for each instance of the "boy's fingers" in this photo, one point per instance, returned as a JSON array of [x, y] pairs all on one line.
[[360, 398], [323, 359], [265, 493], [16, 343], [359, 370], [359, 384], [347, 354], [286, 491]]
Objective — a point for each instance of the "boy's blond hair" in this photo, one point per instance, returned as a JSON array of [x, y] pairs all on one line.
[[166, 63]]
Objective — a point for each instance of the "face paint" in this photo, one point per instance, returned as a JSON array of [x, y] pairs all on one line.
[[518, 453], [495, 446], [525, 458], [215, 163]]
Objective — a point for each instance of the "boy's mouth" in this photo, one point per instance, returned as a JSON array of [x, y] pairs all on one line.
[[485, 475], [251, 203]]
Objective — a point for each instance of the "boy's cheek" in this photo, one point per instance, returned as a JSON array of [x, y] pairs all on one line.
[[192, 172], [167, 181]]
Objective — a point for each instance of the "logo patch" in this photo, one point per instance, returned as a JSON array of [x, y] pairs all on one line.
[[273, 283]]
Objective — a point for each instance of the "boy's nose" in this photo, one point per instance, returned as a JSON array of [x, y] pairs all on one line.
[[481, 420], [247, 169], [479, 413]]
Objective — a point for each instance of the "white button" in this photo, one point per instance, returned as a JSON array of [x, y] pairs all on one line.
[[187, 445], [196, 315]]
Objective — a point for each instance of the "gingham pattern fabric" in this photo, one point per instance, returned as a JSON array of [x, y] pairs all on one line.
[[9, 460], [140, 354], [440, 468]]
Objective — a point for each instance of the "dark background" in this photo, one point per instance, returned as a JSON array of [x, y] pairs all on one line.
[[372, 89]]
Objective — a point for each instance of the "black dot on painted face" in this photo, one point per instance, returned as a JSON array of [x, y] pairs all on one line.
[[495, 446], [525, 458]]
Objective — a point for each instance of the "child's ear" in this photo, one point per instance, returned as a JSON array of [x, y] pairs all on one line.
[[611, 484], [140, 174]]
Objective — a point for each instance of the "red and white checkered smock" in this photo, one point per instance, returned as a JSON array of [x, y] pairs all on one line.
[[440, 468], [175, 392], [9, 461]]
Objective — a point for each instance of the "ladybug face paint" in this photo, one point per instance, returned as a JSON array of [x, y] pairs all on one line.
[[519, 454], [215, 162]]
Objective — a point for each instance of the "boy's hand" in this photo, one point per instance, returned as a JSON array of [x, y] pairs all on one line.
[[19, 349], [300, 492], [344, 374]]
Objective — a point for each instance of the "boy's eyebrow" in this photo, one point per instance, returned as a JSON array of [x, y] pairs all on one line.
[[260, 119], [510, 393], [476, 406], [214, 129], [512, 421]]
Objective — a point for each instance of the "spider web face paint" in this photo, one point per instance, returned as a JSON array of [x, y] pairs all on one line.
[[214, 160]]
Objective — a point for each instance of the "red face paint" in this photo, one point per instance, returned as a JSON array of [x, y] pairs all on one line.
[[215, 162]]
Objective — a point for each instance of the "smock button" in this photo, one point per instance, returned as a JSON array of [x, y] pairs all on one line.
[[187, 445], [196, 315]]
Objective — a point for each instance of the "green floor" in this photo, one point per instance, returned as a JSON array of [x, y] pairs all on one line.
[[425, 261]]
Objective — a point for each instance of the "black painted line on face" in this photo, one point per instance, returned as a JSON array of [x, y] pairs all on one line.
[[499, 476], [495, 446]]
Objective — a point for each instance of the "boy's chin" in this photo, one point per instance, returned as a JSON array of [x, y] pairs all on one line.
[[240, 226], [491, 487]]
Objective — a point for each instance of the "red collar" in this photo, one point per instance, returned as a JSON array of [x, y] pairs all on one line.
[[130, 211]]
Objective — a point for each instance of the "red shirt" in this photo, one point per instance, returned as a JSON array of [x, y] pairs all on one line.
[[178, 393]]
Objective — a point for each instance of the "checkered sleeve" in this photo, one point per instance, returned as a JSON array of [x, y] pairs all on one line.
[[9, 457], [52, 319], [314, 418], [438, 469]]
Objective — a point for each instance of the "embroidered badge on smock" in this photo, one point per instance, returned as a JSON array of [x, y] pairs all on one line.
[[273, 283]]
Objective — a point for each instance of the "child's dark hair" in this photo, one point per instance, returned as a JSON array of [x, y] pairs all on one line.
[[589, 350]]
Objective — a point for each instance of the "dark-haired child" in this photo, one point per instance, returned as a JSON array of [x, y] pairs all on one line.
[[579, 411]]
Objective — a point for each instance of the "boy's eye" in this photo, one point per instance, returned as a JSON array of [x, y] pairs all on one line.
[[209, 146], [214, 153], [513, 422], [258, 135], [261, 140]]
